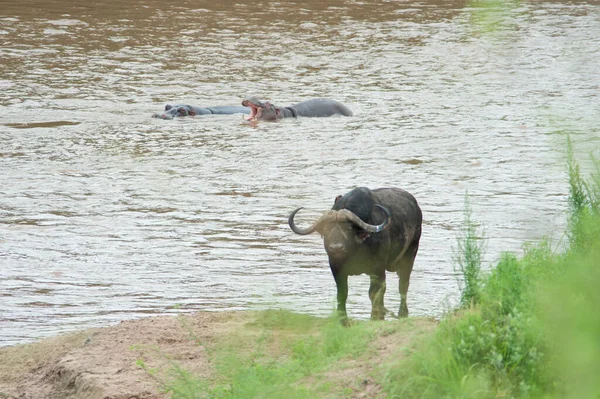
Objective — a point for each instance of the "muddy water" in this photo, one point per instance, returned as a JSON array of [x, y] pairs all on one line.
[[107, 214]]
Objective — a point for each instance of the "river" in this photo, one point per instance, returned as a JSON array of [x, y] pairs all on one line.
[[108, 214]]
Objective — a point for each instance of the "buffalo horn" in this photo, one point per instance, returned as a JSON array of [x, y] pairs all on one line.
[[341, 215], [297, 229], [371, 228]]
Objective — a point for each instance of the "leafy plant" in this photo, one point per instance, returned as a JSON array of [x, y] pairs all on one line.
[[468, 257]]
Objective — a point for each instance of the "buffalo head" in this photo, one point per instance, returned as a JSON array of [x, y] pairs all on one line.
[[342, 231]]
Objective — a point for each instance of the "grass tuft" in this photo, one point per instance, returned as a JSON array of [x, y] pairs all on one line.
[[468, 257], [584, 203]]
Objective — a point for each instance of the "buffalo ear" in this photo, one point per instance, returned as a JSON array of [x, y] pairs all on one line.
[[363, 235], [337, 199]]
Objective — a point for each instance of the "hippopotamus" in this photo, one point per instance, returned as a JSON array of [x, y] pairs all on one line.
[[172, 111], [316, 107]]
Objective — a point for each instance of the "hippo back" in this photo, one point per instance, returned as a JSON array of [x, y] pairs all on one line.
[[321, 107]]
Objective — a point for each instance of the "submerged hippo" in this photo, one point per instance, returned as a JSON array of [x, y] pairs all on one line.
[[317, 107], [172, 111]]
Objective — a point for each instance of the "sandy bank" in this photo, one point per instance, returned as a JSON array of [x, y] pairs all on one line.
[[102, 363]]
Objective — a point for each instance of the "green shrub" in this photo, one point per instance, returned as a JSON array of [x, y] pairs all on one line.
[[467, 259], [535, 331], [569, 318], [584, 204]]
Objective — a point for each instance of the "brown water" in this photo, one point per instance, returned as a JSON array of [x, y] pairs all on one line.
[[107, 214]]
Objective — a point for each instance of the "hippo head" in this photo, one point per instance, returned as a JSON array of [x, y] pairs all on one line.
[[261, 110], [172, 111]]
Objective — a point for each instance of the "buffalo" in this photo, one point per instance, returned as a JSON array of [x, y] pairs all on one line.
[[370, 231]]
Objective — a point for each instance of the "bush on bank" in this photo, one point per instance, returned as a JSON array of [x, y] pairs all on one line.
[[535, 331]]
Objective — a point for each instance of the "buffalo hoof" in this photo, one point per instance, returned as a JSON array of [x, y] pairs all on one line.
[[378, 315], [403, 311], [343, 319]]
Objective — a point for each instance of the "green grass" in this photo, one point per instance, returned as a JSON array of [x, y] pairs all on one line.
[[569, 318], [288, 348]]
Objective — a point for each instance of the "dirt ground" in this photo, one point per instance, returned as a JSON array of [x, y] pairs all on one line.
[[104, 363]]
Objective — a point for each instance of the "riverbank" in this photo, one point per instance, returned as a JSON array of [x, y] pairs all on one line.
[[136, 358]]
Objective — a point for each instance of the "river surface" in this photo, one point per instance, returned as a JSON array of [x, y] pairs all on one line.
[[108, 214]]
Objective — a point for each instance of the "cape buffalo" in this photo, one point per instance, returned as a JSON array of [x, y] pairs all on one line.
[[370, 231]]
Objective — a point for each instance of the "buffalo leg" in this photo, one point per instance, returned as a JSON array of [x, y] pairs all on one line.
[[404, 270], [341, 281], [376, 294]]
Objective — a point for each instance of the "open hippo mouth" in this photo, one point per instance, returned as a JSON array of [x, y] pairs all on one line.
[[256, 108]]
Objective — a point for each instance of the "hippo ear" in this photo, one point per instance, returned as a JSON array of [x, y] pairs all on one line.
[[181, 111], [168, 107], [277, 111], [337, 199], [191, 113]]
